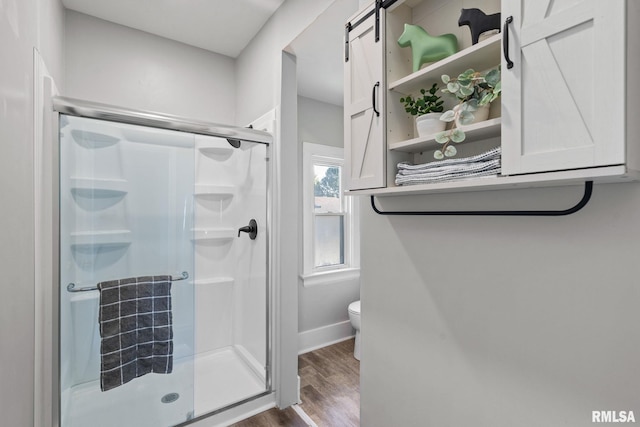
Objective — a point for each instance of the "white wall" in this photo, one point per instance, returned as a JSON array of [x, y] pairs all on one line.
[[490, 321], [324, 305], [320, 123], [118, 65], [24, 24]]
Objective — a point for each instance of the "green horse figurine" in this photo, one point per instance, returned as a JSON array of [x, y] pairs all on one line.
[[426, 48]]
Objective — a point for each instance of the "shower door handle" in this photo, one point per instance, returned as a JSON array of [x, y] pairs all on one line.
[[252, 229]]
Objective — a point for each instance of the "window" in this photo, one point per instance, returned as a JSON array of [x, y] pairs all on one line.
[[330, 242]]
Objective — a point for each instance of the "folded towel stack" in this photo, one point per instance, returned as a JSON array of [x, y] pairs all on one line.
[[485, 164], [136, 329]]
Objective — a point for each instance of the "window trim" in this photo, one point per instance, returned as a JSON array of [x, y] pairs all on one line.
[[324, 154]]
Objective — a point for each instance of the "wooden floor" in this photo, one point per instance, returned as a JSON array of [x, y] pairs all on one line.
[[330, 391]]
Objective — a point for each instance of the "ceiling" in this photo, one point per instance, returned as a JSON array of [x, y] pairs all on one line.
[[221, 26], [227, 26]]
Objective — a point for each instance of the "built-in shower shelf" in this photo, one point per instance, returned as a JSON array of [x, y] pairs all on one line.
[[213, 281], [100, 238], [93, 139], [157, 137], [216, 192], [214, 151], [220, 234], [97, 187]]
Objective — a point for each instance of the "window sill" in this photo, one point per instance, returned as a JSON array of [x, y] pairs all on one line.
[[329, 277]]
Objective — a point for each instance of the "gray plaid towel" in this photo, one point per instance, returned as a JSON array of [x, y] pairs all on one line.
[[136, 329]]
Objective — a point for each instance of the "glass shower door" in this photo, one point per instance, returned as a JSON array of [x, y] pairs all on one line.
[[231, 282], [126, 211], [164, 291]]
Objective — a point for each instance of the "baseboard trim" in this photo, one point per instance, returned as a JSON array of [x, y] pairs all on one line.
[[314, 339], [306, 418]]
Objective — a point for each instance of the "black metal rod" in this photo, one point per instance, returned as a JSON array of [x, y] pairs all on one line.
[[505, 42], [347, 28], [361, 20], [588, 190], [383, 5], [377, 9]]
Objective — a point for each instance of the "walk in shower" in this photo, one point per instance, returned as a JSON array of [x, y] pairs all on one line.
[[147, 195]]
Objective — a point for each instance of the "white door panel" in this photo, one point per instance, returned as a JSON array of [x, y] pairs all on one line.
[[365, 150], [564, 97]]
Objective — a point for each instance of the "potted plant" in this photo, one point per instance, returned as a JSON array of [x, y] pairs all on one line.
[[427, 109], [475, 92]]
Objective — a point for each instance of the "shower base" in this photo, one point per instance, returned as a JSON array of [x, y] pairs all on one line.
[[215, 380]]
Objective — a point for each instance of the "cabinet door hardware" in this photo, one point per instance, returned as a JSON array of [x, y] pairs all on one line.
[[373, 99], [505, 41], [377, 9], [349, 26]]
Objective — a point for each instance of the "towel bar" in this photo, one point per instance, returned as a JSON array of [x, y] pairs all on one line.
[[71, 287], [588, 190]]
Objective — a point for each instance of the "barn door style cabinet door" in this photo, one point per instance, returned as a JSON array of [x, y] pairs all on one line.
[[564, 96], [364, 102]]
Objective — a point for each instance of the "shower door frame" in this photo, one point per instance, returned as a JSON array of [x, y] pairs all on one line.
[[93, 110]]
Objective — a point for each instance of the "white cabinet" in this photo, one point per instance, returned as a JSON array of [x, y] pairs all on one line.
[[563, 99], [364, 105], [568, 103]]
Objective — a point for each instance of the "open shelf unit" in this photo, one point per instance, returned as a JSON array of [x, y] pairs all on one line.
[[403, 144]]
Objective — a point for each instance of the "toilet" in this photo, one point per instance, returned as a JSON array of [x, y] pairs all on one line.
[[354, 317]]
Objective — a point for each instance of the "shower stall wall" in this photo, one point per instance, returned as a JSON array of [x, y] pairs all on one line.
[[140, 199]]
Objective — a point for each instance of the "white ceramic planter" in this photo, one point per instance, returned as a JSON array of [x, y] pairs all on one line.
[[480, 115], [429, 124]]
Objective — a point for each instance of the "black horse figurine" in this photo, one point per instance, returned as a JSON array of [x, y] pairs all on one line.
[[478, 22]]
